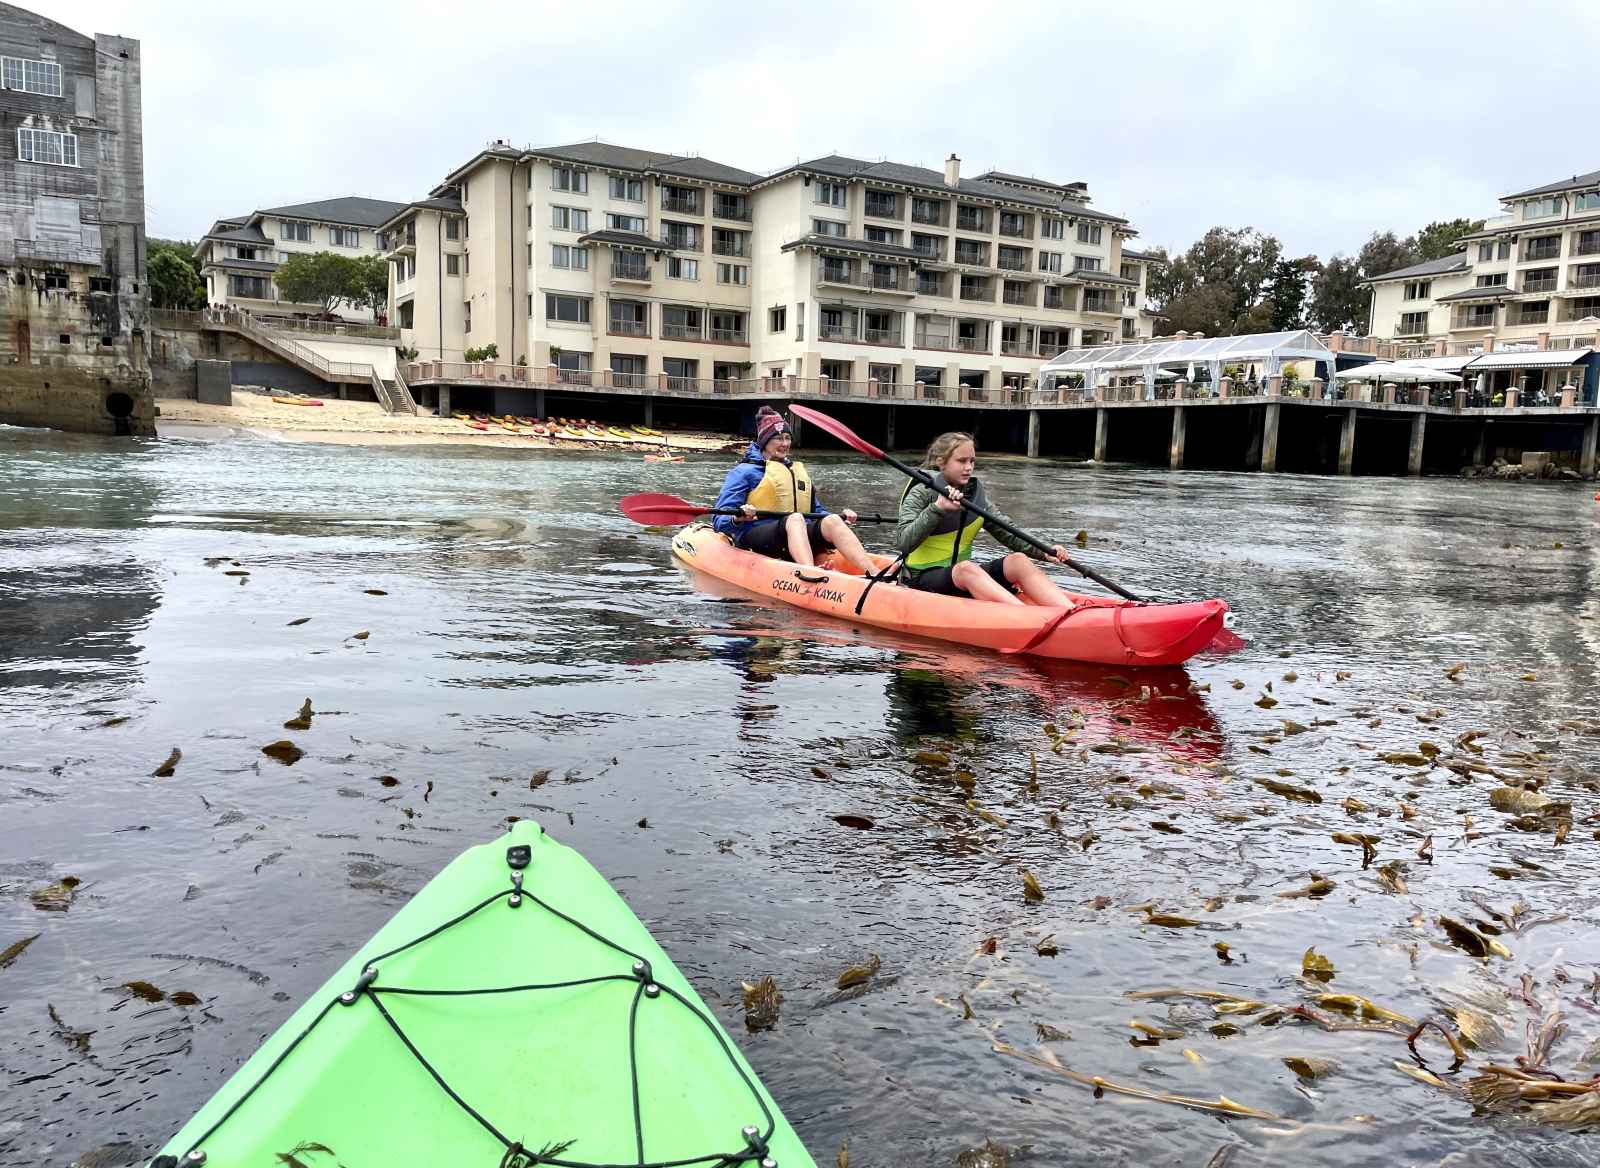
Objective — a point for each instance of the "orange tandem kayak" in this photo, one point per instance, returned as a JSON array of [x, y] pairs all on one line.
[[1098, 629]]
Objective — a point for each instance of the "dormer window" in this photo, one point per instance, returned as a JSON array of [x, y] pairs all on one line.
[[1542, 208]]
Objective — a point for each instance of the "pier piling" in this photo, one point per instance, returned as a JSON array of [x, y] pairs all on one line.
[[1033, 433], [1180, 427], [1347, 442], [1591, 430], [1102, 423], [1419, 426]]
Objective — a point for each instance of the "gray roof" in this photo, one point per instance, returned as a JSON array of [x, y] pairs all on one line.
[[1143, 257], [449, 204], [840, 166], [1438, 267], [636, 239], [627, 158], [1486, 292], [1576, 183], [1002, 176], [861, 246], [239, 235], [252, 265], [1097, 277], [349, 209]]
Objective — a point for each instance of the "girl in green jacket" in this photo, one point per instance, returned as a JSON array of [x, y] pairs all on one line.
[[935, 535]]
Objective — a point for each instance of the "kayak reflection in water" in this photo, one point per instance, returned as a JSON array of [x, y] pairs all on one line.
[[935, 535], [767, 479]]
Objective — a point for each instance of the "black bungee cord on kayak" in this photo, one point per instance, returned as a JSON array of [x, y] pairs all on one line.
[[517, 1155]]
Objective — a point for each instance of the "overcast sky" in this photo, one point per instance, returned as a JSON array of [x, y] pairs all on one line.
[[1317, 122]]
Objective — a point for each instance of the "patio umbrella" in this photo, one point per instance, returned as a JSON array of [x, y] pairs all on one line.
[[1397, 371]]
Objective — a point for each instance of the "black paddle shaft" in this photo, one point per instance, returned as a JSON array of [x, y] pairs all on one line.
[[926, 480], [873, 518]]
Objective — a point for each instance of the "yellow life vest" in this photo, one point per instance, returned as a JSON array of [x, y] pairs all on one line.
[[783, 487], [951, 540]]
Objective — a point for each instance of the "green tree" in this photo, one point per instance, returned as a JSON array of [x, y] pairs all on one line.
[[1443, 237], [372, 284], [174, 276], [321, 278], [1338, 299], [1218, 285], [1289, 291]]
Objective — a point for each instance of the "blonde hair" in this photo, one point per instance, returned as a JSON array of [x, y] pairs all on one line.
[[942, 447]]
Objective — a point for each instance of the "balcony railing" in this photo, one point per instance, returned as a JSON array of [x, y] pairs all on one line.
[[737, 248], [1583, 280], [1016, 296], [1105, 307], [681, 242], [932, 216], [971, 223], [629, 380], [629, 328], [874, 336], [574, 377], [1018, 349], [974, 258], [977, 293], [683, 204], [930, 251], [730, 336], [1018, 230], [731, 211], [1586, 246], [1528, 318], [972, 344], [1012, 263], [620, 271], [1533, 254], [681, 332], [1542, 284], [888, 210], [1411, 329]]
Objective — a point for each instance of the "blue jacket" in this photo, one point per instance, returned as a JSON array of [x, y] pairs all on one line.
[[736, 488]]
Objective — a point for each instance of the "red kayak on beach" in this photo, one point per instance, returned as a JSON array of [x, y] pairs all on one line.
[[1098, 629]]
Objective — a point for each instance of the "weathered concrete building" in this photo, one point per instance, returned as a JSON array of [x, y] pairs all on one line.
[[74, 303]]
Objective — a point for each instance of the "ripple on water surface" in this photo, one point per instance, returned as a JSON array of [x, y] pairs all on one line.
[[811, 796]]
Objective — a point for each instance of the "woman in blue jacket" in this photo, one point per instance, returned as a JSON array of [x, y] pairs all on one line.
[[767, 479]]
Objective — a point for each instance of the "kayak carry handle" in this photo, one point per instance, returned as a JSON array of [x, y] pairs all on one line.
[[799, 575]]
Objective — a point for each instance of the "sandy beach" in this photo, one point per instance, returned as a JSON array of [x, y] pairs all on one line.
[[363, 423]]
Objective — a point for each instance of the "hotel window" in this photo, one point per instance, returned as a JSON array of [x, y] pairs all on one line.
[[830, 227], [1089, 232], [835, 270], [971, 252], [681, 235], [452, 229], [1542, 208], [573, 309], [1588, 201], [930, 284], [565, 178], [883, 204], [1413, 324], [569, 218], [344, 236], [972, 219], [1130, 272], [733, 274], [283, 257], [1503, 250], [1486, 252], [42, 77], [1085, 263], [1052, 229], [629, 190], [1050, 261], [1418, 289], [466, 316], [452, 265], [466, 263], [679, 268], [565, 256], [292, 229], [1493, 280], [927, 211], [625, 223], [250, 287], [830, 194], [881, 235], [777, 318], [47, 146]]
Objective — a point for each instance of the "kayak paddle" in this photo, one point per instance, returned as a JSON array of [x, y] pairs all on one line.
[[850, 438], [654, 509], [1227, 639]]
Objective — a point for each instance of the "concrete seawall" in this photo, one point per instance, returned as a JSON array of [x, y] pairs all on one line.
[[77, 400]]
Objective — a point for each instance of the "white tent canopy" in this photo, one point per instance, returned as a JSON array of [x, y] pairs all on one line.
[[1396, 371], [1149, 358]]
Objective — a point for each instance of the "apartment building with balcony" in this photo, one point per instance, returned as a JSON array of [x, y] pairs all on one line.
[[645, 269], [238, 256], [1531, 273]]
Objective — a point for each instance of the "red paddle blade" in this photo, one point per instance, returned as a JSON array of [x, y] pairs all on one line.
[[838, 429], [654, 509]]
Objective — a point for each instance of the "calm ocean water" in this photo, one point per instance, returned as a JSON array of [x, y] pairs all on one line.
[[527, 627]]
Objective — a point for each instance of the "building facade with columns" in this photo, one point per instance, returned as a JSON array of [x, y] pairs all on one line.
[[1531, 273], [627, 266]]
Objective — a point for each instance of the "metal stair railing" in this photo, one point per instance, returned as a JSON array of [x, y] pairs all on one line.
[[381, 392], [401, 392]]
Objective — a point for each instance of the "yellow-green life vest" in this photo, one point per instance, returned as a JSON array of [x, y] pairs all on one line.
[[951, 540], [783, 487]]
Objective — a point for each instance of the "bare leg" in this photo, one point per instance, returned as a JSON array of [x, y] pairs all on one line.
[[794, 528], [979, 585], [837, 532], [1039, 588]]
